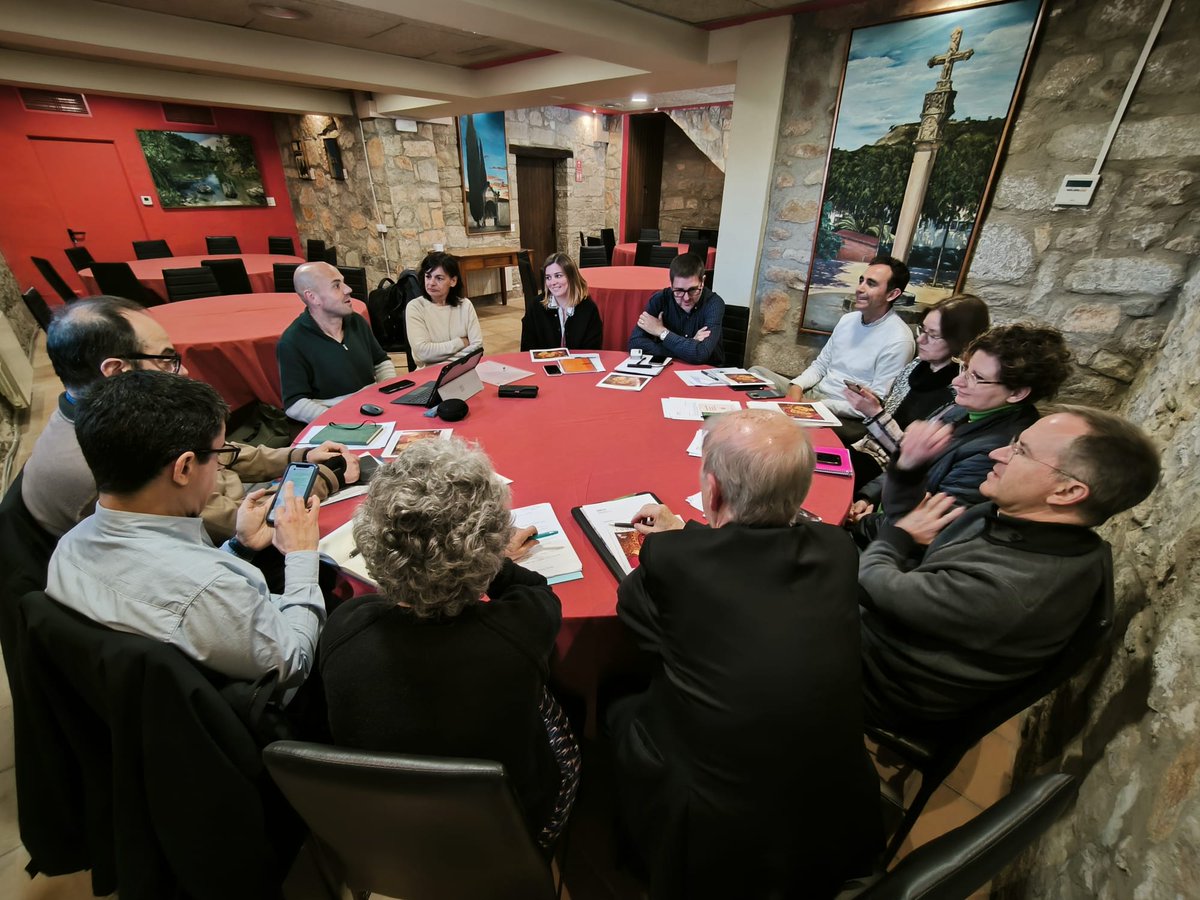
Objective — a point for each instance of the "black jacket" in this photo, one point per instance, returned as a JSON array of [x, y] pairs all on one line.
[[585, 330]]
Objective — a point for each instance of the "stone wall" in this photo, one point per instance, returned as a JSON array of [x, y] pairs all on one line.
[[12, 307], [708, 127], [692, 185]]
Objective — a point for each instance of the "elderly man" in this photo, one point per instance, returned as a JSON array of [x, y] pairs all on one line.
[[684, 320], [142, 562], [103, 336], [1003, 585], [329, 352], [742, 771]]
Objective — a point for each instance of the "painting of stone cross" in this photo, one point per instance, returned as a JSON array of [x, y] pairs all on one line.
[[923, 114]]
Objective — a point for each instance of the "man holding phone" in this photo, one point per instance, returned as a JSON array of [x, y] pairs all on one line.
[[143, 564]]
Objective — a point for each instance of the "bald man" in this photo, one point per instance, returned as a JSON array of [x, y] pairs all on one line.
[[753, 621], [329, 352]]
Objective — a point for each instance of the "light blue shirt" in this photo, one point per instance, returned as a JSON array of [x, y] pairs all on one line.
[[161, 577]]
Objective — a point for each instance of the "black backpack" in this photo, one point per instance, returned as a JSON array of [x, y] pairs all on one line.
[[385, 306]]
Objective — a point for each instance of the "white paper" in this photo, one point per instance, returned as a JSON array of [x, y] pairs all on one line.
[[339, 545], [693, 410], [630, 366], [554, 556], [701, 378], [433, 434], [697, 501], [604, 516], [496, 373], [732, 375], [696, 447], [346, 493], [378, 443]]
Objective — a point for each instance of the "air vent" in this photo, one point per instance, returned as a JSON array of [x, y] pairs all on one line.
[[190, 115], [54, 101]]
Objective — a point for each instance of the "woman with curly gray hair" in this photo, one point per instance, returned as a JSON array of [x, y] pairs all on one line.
[[425, 667]]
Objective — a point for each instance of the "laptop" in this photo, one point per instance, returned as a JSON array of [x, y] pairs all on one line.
[[458, 380]]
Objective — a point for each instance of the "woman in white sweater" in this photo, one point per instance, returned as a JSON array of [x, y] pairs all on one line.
[[442, 324]]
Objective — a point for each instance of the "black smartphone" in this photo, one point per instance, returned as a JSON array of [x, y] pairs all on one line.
[[766, 394], [397, 386], [552, 369], [746, 388], [302, 477], [659, 360], [828, 459]]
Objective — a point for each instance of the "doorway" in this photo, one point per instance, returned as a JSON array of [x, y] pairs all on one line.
[[537, 209], [643, 184]]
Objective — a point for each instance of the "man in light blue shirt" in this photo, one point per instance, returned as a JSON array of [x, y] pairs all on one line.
[[143, 563]]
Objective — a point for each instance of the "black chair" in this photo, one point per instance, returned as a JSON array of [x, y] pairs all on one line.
[[592, 256], [284, 275], [608, 237], [281, 246], [356, 277], [80, 257], [710, 235], [412, 826], [230, 274], [955, 865], [734, 326], [699, 248], [190, 284], [641, 255], [936, 752], [225, 243], [151, 249], [331, 255], [650, 234], [687, 235], [315, 250], [662, 256], [531, 284], [55, 280], [117, 279], [582, 239], [36, 304]]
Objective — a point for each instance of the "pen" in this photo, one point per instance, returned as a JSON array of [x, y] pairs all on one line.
[[543, 534], [622, 524], [354, 553]]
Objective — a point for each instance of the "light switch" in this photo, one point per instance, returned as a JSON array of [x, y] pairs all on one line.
[[147, 200]]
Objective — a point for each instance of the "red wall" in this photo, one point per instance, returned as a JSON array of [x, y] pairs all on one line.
[[31, 223]]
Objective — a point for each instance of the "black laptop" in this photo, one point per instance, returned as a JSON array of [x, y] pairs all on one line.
[[457, 380]]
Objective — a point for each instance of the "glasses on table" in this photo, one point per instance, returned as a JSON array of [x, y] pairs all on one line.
[[1016, 448], [167, 362], [970, 376]]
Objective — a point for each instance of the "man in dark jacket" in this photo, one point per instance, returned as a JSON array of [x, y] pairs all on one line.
[[754, 623], [684, 320]]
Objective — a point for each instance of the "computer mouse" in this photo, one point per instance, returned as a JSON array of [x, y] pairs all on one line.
[[370, 409]]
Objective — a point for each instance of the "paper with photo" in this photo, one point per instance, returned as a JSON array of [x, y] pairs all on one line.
[[377, 443], [549, 355], [497, 373], [402, 439], [618, 381], [553, 556], [693, 410], [701, 378], [623, 542], [802, 412], [581, 364]]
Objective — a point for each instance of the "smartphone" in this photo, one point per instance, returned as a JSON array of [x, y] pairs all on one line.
[[828, 459], [302, 477], [747, 388], [766, 394], [397, 386], [659, 360], [855, 386], [552, 369]]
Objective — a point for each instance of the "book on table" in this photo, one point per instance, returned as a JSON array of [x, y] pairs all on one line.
[[553, 556], [359, 434], [608, 526]]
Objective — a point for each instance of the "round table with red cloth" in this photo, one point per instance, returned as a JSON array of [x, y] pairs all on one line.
[[229, 342], [624, 254], [259, 266], [621, 293]]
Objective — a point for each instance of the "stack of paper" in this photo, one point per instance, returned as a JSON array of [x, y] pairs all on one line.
[[553, 556], [610, 529], [340, 547], [689, 409], [641, 365], [802, 412], [696, 447]]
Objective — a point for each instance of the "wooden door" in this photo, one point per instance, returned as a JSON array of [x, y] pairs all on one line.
[[536, 213], [643, 174]]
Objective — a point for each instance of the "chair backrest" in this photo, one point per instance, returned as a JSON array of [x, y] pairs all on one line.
[[55, 280], [531, 284], [661, 256], [331, 256], [80, 257], [710, 235], [36, 304], [650, 234], [687, 235], [281, 246], [156, 249], [412, 826], [117, 279], [734, 326], [356, 277], [188, 284], [608, 237], [699, 248], [230, 274], [222, 243], [315, 250], [961, 861], [592, 256], [582, 239], [284, 273], [641, 255]]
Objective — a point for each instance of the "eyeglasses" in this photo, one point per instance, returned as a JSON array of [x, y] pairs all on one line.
[[971, 377], [692, 292], [171, 361], [226, 456], [921, 329], [1016, 448]]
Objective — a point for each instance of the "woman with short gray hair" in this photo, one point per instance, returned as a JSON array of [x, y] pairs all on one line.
[[425, 667]]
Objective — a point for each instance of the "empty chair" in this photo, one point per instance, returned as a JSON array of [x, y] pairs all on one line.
[[36, 304], [225, 243], [156, 249], [188, 284], [608, 237], [582, 239], [687, 235], [55, 280], [650, 234], [592, 256], [661, 256], [734, 326], [412, 826], [710, 235], [531, 285], [118, 280], [230, 274], [699, 248], [284, 273], [315, 250], [356, 278], [80, 257], [281, 246], [641, 255], [331, 255]]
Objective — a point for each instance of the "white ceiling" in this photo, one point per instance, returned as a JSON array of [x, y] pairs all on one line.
[[415, 57]]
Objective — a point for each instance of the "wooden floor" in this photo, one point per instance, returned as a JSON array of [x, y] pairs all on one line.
[[592, 871]]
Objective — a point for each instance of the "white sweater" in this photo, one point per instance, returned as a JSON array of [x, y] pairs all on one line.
[[435, 332]]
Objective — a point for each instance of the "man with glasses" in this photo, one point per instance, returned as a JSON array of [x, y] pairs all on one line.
[[102, 336], [960, 604], [142, 562], [684, 320]]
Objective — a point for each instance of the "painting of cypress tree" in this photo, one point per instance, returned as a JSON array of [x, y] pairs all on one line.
[[483, 154]]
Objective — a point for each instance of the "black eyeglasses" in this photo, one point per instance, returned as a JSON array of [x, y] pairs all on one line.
[[1016, 448], [933, 336], [970, 377], [226, 455], [169, 361], [692, 292]]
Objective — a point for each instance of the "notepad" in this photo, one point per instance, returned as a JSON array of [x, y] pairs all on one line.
[[351, 435]]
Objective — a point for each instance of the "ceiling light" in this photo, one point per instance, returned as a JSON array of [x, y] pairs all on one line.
[[639, 98], [278, 12]]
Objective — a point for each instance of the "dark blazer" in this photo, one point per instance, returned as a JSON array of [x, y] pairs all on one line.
[[585, 330], [742, 772]]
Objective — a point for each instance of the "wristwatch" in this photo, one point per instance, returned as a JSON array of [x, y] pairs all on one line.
[[240, 550], [662, 335]]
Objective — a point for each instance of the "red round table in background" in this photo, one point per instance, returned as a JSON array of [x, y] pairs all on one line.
[[259, 266], [229, 342], [624, 254], [621, 293]]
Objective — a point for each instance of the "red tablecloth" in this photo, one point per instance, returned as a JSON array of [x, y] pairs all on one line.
[[621, 293], [623, 254], [259, 266], [229, 342]]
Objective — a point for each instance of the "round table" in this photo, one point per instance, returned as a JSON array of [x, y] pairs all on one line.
[[229, 342], [624, 254], [259, 266], [621, 293]]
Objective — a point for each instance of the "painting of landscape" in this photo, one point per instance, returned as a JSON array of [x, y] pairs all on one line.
[[198, 170]]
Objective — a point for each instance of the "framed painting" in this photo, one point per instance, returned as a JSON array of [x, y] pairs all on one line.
[[192, 171], [923, 115], [483, 153]]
